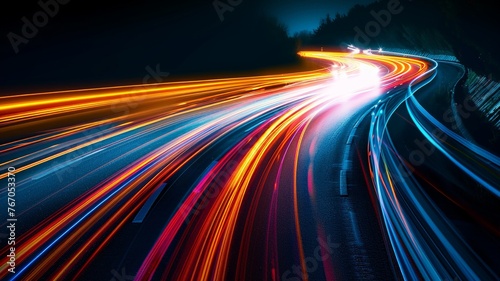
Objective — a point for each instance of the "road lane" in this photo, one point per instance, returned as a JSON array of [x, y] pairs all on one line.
[[271, 137]]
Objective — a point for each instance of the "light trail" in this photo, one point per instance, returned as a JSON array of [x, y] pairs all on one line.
[[426, 243], [142, 136]]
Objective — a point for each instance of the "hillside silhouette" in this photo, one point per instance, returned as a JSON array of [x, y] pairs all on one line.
[[90, 44], [112, 43], [464, 28]]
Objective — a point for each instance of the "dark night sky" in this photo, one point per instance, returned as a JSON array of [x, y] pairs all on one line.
[[114, 40], [300, 15]]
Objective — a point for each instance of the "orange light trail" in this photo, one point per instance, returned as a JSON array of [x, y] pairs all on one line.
[[173, 124]]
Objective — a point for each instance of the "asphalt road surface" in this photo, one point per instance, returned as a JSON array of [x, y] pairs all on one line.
[[298, 176]]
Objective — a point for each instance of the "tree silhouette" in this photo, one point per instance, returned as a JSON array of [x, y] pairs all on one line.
[[464, 28]]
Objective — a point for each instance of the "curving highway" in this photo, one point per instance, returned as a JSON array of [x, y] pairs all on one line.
[[298, 176]]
